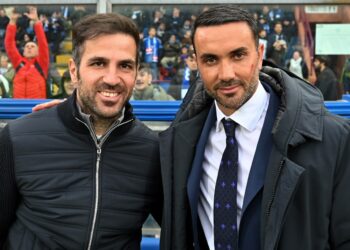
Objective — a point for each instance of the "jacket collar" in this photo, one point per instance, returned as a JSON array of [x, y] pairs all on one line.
[[301, 110], [69, 114]]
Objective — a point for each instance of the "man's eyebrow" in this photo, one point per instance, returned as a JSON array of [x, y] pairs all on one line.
[[239, 50], [207, 55], [130, 61], [233, 52], [96, 58]]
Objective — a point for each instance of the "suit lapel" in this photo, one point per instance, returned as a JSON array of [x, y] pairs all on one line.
[[258, 170], [196, 172]]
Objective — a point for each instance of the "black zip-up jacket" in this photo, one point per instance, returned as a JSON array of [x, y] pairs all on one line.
[[305, 203], [61, 188]]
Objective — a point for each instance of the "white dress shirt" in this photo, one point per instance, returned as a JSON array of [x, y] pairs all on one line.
[[250, 118]]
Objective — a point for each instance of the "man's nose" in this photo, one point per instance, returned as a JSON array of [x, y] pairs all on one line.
[[111, 76], [226, 71]]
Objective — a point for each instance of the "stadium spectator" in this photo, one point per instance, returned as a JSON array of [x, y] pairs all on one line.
[[4, 21], [2, 89], [265, 14], [145, 90], [263, 24], [346, 77], [277, 45], [21, 44], [56, 32], [298, 66], [291, 32], [253, 160], [171, 50], [85, 174], [186, 27], [67, 85], [162, 33], [79, 11], [326, 80], [6, 76], [152, 51], [186, 39], [276, 14], [158, 18], [32, 67], [175, 21], [22, 26], [185, 76], [139, 16]]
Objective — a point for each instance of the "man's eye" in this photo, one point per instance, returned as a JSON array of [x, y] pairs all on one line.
[[98, 64], [126, 66], [210, 60], [239, 56]]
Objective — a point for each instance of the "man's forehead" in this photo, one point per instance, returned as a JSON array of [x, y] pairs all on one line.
[[212, 39], [30, 44], [221, 30]]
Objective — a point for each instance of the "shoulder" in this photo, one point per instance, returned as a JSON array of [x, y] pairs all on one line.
[[141, 131], [40, 120], [335, 125]]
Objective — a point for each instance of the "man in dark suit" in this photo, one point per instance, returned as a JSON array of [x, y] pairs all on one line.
[[252, 160]]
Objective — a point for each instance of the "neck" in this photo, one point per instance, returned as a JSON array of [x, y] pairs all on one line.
[[101, 126]]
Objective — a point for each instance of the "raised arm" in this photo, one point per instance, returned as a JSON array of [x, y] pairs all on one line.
[[43, 57], [10, 41]]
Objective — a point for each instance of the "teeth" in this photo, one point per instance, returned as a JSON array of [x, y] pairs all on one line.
[[109, 94]]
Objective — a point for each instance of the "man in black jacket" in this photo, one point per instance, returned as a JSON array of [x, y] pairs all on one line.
[[84, 174], [326, 80], [287, 160]]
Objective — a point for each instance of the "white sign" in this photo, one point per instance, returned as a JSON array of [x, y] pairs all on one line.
[[332, 39], [328, 9]]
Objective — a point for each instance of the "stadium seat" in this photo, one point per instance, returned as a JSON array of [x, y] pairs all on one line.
[[62, 60]]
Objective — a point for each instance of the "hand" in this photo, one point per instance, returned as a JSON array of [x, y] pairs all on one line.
[[14, 17], [47, 105], [33, 13]]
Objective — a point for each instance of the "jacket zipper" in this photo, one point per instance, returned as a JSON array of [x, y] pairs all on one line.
[[97, 173], [279, 170]]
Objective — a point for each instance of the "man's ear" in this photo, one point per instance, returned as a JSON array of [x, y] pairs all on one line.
[[73, 71], [260, 54]]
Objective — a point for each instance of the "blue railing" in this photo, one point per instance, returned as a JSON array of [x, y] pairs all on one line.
[[144, 110], [149, 243]]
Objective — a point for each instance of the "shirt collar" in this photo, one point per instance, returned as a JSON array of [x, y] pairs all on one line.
[[249, 113]]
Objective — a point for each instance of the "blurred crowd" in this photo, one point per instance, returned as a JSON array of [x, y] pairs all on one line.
[[166, 48]]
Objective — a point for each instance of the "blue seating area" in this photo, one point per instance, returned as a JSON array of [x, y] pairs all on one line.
[[144, 110]]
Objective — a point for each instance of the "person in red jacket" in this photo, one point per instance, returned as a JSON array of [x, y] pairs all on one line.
[[32, 67]]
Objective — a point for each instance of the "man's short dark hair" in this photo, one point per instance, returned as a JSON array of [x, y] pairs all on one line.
[[145, 67], [322, 59], [223, 14], [93, 26]]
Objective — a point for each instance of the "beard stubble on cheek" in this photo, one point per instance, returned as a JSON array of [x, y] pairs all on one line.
[[234, 101]]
